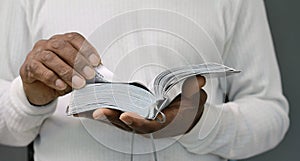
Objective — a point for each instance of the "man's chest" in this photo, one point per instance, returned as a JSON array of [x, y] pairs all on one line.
[[138, 37]]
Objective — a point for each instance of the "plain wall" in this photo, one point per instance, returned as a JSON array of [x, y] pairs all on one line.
[[284, 17]]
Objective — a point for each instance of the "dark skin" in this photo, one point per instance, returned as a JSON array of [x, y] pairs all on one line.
[[64, 62], [53, 67], [181, 115]]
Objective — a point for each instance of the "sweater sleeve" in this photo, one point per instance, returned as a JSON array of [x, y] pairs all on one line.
[[256, 117], [19, 120]]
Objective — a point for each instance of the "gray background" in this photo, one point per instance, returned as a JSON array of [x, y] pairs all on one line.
[[284, 16]]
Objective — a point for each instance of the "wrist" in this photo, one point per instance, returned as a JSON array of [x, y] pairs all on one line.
[[20, 102]]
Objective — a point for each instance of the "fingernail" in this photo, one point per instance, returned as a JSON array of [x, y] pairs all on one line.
[[94, 59], [77, 82], [99, 115], [126, 120], [60, 84], [89, 72]]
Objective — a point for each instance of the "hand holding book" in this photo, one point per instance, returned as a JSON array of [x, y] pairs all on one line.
[[181, 114]]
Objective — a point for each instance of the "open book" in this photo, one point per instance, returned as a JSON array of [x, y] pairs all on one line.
[[136, 97]]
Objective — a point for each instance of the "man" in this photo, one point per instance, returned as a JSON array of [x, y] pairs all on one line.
[[127, 35]]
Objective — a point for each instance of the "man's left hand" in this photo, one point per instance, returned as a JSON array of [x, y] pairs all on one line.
[[182, 114]]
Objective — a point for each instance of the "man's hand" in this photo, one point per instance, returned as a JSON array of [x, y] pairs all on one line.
[[55, 66], [181, 115]]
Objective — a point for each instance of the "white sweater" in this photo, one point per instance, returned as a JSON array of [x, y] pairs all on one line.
[[137, 39]]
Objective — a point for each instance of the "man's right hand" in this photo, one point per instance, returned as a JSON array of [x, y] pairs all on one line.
[[55, 66]]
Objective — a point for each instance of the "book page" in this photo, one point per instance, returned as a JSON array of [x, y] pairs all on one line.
[[164, 81]]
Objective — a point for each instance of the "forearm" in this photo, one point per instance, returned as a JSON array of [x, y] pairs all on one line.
[[239, 129], [20, 122]]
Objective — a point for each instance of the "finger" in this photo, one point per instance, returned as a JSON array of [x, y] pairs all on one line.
[[85, 48], [192, 86], [144, 126], [193, 109], [139, 124], [63, 70], [203, 97], [110, 116], [35, 70], [71, 56], [192, 106]]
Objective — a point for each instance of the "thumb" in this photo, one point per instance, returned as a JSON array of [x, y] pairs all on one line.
[[192, 85]]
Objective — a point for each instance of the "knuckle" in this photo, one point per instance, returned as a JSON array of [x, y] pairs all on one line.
[[32, 66], [57, 43], [36, 52], [78, 61], [24, 68], [65, 73], [48, 76], [87, 49], [75, 53], [46, 56], [73, 35]]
